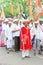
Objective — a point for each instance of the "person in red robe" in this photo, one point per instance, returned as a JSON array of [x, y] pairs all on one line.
[[25, 39]]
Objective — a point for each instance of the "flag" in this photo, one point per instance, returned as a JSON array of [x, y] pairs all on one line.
[[11, 8], [37, 9], [29, 2], [30, 7], [41, 13], [35, 16], [2, 14], [31, 11], [18, 9], [37, 4]]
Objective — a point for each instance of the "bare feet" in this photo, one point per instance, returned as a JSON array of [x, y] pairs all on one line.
[[23, 58], [34, 54], [28, 57], [8, 52]]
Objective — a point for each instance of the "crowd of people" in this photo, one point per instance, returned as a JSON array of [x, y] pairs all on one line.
[[21, 35]]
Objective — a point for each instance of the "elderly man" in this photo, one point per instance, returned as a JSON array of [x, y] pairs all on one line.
[[41, 35], [36, 35], [17, 35], [25, 39], [9, 37]]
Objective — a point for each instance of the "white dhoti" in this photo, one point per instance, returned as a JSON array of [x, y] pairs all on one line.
[[9, 43], [25, 53]]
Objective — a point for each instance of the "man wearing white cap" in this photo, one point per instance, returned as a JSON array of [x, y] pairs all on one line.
[[5, 27], [9, 37], [36, 35], [41, 21], [41, 37], [13, 33], [16, 35]]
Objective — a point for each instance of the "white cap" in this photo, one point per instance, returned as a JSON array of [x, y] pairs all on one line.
[[6, 20], [10, 19], [9, 22], [36, 22], [40, 19], [15, 20]]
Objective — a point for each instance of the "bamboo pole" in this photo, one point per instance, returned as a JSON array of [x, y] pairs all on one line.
[[2, 14], [11, 8]]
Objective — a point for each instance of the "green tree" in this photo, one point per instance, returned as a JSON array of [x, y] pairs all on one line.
[[22, 3]]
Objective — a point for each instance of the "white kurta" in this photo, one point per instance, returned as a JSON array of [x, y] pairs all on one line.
[[13, 27], [13, 34], [41, 35], [5, 28], [36, 32], [16, 27], [9, 36]]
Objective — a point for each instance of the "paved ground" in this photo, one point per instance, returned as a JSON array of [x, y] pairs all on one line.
[[14, 58]]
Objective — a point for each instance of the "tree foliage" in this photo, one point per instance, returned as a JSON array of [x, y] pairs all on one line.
[[22, 3]]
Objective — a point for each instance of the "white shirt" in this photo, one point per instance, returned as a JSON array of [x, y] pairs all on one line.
[[13, 28], [9, 33], [18, 32], [30, 25], [5, 28], [16, 27], [41, 33], [36, 32]]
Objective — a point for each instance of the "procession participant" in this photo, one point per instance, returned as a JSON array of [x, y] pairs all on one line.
[[41, 21], [17, 35], [1, 34], [41, 37], [13, 33], [9, 37], [25, 39], [12, 27], [32, 34], [5, 27], [36, 35]]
